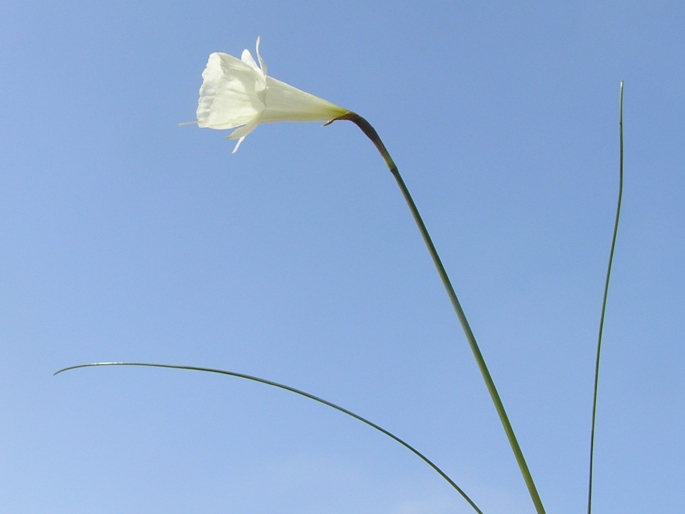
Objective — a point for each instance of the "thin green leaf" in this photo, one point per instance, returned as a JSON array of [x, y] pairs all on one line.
[[301, 393], [606, 295]]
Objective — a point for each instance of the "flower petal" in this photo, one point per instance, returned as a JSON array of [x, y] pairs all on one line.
[[237, 145], [247, 58], [262, 64], [241, 132]]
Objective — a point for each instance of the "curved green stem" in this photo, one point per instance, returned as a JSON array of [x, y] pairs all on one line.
[[301, 393], [606, 295], [371, 133]]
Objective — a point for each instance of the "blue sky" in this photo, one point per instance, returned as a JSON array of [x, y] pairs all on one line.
[[125, 237]]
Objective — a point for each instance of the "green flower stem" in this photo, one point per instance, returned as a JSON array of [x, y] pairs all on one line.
[[296, 391], [606, 295], [371, 133]]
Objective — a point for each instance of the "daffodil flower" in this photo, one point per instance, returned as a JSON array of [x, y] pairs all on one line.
[[237, 93]]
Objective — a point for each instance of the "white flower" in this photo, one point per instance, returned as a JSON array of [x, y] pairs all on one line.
[[239, 93]]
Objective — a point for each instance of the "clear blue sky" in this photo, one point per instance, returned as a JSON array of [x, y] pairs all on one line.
[[125, 237]]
